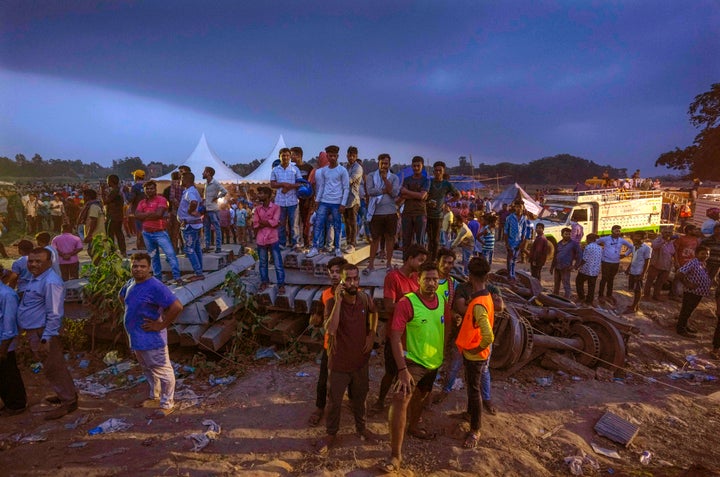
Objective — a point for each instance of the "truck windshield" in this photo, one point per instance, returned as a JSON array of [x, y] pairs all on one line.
[[554, 213]]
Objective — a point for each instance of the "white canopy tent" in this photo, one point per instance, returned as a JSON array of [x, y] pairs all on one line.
[[262, 173], [513, 192], [202, 157]]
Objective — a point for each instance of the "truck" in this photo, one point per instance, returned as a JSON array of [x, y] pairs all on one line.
[[598, 210]]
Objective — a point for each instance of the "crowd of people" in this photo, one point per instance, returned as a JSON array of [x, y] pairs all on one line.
[[431, 319]]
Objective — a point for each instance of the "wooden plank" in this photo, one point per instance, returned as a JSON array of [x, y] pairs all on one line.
[[616, 428], [268, 296], [218, 334]]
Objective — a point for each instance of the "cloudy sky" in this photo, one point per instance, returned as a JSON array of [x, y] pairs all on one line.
[[609, 81]]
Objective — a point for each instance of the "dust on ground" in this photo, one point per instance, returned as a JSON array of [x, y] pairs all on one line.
[[264, 415]]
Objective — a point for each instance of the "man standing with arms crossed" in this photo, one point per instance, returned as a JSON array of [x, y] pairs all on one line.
[[419, 317], [213, 192], [150, 307], [40, 314]]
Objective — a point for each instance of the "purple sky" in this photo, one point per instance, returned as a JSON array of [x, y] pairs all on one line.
[[502, 81]]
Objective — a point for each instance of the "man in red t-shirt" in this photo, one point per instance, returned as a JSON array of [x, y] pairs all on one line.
[[397, 284], [152, 211], [350, 320], [333, 267]]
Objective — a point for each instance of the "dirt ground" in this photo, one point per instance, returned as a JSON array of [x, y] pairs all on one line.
[[263, 416]]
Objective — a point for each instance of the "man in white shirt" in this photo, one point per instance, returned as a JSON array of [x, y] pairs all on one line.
[[213, 192], [332, 186]]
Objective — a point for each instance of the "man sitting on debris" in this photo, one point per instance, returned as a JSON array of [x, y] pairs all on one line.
[[150, 307], [333, 267], [350, 320]]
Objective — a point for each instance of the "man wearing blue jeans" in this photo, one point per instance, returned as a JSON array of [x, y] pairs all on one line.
[[517, 230], [284, 178], [213, 192], [265, 223], [332, 185], [152, 211], [191, 222]]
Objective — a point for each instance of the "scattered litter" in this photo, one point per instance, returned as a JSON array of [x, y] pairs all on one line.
[[544, 381], [79, 421], [84, 363], [551, 432], [575, 463], [645, 457], [31, 438], [77, 445], [185, 398], [107, 380], [119, 450], [695, 376], [111, 358], [110, 426], [616, 428], [612, 453], [302, 374], [202, 440], [576, 378], [36, 367], [268, 352], [226, 380], [694, 362]]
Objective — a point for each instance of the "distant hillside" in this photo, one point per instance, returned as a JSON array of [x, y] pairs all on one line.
[[560, 169]]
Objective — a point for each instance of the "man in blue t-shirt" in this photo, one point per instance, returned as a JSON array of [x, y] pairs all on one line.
[[150, 307]]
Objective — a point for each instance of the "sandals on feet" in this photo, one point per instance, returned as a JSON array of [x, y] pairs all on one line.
[[160, 413], [471, 440], [389, 466], [423, 434], [315, 417]]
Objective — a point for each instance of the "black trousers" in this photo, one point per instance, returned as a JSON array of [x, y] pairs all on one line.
[[322, 385], [473, 374], [114, 229], [12, 388], [580, 287], [433, 236], [690, 301], [608, 271]]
